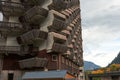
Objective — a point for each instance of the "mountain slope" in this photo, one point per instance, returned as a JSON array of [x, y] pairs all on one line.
[[90, 65], [116, 60]]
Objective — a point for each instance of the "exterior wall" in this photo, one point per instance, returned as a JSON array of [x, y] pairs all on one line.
[[11, 62], [52, 65], [11, 41], [46, 4], [13, 19], [17, 74]]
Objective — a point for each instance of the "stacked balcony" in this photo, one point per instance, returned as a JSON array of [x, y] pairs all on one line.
[[11, 8], [61, 48], [56, 5], [59, 21], [32, 36], [35, 15], [33, 63], [58, 37], [11, 28], [33, 2]]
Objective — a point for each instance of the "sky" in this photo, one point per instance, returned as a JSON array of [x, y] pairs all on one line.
[[101, 30]]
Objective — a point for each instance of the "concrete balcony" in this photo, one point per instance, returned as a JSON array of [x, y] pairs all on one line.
[[35, 15], [58, 21], [33, 63], [59, 48], [11, 8], [56, 5], [58, 37], [32, 36], [11, 28], [33, 2]]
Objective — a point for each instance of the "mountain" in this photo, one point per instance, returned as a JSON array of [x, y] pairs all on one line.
[[90, 65], [116, 60]]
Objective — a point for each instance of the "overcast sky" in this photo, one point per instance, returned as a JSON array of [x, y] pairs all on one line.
[[101, 30]]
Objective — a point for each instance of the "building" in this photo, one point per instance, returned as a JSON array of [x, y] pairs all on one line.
[[48, 75], [40, 35]]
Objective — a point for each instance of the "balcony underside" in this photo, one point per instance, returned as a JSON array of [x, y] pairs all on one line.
[[35, 15], [11, 8], [33, 63], [59, 37], [32, 36], [61, 48]]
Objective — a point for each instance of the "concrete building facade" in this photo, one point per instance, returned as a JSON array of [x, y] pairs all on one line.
[[40, 35]]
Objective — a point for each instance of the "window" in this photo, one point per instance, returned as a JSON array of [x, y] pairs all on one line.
[[10, 76], [54, 57]]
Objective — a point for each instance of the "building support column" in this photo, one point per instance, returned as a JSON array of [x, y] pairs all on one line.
[[1, 65]]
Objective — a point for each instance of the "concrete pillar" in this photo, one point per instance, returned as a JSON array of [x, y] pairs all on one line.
[[1, 65]]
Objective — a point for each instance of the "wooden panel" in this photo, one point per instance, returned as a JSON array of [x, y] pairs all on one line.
[[52, 65]]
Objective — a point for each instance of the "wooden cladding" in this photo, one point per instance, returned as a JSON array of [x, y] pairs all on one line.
[[33, 62], [32, 35], [11, 8], [61, 48]]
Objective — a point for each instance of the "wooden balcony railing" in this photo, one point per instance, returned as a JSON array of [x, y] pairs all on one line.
[[10, 49], [33, 62], [35, 15], [59, 47], [11, 8], [33, 35]]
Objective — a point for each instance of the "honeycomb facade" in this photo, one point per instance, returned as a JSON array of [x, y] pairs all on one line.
[[40, 35]]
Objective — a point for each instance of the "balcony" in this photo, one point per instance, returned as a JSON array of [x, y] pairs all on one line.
[[33, 2], [10, 49], [35, 15], [56, 5], [59, 48], [59, 21], [11, 8], [31, 36], [58, 37], [10, 26], [33, 63]]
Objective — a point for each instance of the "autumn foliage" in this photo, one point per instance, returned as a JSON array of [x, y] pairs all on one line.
[[112, 67]]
